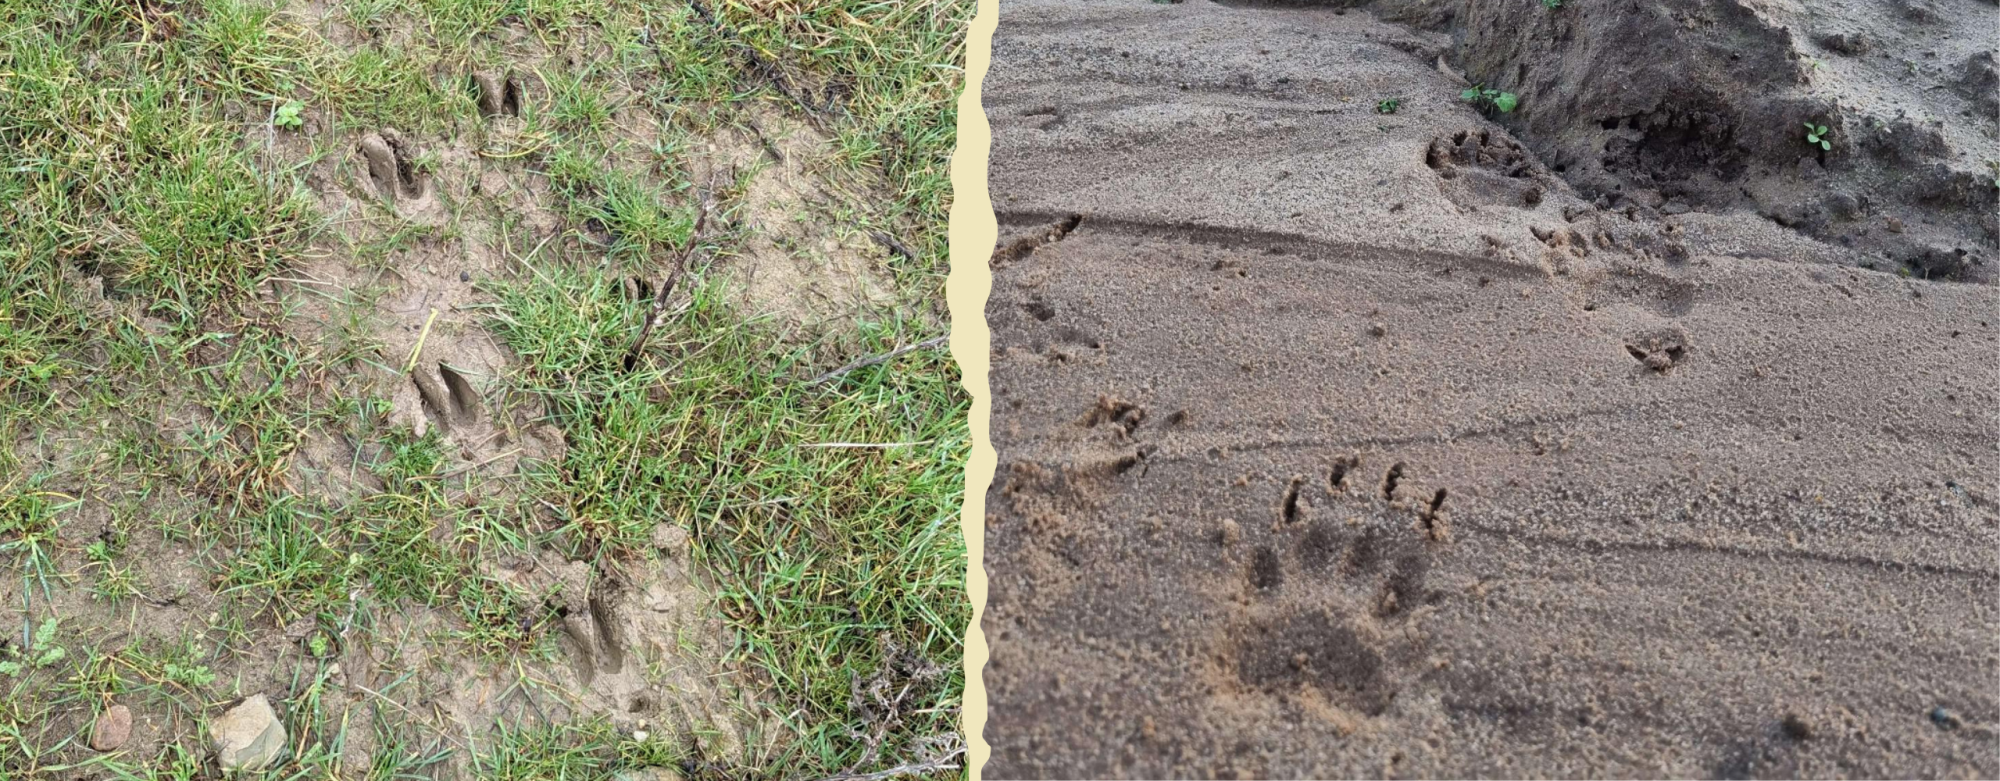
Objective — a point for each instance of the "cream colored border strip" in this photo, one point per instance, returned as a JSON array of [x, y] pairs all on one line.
[[973, 233]]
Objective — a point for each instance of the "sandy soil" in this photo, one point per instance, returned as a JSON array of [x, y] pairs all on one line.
[[1336, 443]]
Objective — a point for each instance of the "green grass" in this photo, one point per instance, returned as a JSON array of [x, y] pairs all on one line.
[[158, 394], [831, 512]]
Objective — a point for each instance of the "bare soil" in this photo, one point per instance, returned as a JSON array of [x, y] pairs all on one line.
[[1621, 435]]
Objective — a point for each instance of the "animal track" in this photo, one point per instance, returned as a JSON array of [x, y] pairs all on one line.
[[392, 167], [1480, 149], [1344, 635], [1478, 168], [1334, 591], [1658, 350], [1127, 415], [1566, 243], [499, 96], [586, 608], [452, 402], [1324, 543]]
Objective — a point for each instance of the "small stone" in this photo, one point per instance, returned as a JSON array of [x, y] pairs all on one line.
[[1895, 225], [113, 728], [465, 276], [1674, 207], [647, 774], [248, 737], [1378, 329]]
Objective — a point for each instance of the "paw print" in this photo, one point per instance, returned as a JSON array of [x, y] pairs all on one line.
[[1336, 596]]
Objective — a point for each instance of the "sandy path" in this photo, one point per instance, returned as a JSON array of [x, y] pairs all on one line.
[[1328, 450]]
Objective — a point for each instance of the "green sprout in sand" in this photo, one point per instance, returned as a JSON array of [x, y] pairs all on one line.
[[1478, 95]]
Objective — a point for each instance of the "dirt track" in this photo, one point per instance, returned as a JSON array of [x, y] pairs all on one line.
[[1337, 443]]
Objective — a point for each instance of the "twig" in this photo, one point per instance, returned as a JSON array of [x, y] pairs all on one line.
[[893, 245], [421, 336], [658, 311], [867, 444], [885, 357], [911, 769]]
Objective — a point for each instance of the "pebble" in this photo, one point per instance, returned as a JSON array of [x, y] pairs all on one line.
[[248, 737], [647, 774], [113, 728]]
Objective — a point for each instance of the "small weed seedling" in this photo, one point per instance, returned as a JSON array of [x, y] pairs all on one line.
[[1388, 106], [289, 115], [1552, 4], [43, 653], [1818, 135], [1478, 95]]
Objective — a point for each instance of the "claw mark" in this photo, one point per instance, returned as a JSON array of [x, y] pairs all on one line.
[[1336, 481], [1390, 480], [1288, 510], [1435, 526]]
